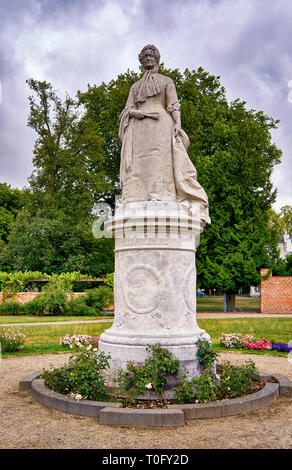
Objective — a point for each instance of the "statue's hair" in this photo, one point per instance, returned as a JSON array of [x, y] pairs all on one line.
[[155, 51]]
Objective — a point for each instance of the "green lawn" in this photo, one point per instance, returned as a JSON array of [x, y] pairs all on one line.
[[215, 304], [273, 329], [44, 339], [34, 319]]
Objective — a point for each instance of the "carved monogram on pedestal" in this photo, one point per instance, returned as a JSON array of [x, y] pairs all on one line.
[[141, 288]]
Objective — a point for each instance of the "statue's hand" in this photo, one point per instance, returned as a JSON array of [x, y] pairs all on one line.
[[177, 129], [135, 113]]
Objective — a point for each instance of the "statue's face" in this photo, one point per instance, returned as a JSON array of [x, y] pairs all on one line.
[[149, 60]]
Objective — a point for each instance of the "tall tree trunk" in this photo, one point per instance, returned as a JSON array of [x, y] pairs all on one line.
[[230, 301]]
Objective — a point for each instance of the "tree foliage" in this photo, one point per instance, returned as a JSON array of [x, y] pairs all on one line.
[[286, 216], [53, 233], [232, 150], [11, 201], [77, 161]]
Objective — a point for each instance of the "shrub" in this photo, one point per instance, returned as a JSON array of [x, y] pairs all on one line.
[[78, 341], [235, 381], [54, 296], [206, 355], [197, 389], [99, 298], [11, 307], [153, 374], [35, 306], [109, 281], [83, 377], [76, 306], [11, 339]]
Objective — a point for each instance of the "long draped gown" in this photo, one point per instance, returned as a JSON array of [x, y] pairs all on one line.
[[154, 164]]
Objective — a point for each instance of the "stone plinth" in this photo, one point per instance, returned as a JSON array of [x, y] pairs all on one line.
[[155, 283]]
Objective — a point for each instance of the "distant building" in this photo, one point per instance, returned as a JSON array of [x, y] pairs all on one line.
[[285, 245], [255, 291]]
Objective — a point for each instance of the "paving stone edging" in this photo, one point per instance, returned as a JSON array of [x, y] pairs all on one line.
[[174, 415]]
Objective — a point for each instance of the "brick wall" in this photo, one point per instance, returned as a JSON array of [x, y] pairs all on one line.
[[276, 293]]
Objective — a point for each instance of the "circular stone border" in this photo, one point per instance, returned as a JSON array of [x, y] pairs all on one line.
[[175, 415]]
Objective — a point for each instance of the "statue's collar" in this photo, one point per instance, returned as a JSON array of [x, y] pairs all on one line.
[[153, 70], [148, 86]]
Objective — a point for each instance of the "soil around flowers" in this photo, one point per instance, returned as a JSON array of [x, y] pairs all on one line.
[[148, 404]]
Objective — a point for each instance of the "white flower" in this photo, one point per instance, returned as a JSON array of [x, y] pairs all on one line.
[[89, 347], [78, 396], [148, 386]]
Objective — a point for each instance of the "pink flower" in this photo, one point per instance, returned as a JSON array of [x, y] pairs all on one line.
[[262, 344]]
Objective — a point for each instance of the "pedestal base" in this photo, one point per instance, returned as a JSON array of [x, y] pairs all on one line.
[[155, 284], [184, 349]]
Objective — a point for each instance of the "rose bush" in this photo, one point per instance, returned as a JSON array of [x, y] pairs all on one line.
[[78, 341], [11, 339], [234, 340]]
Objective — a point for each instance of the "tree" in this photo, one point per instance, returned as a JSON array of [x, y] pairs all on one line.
[[53, 233], [77, 160], [11, 201], [286, 215], [232, 150], [283, 267]]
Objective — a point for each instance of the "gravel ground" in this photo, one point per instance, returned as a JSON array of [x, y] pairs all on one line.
[[24, 424]]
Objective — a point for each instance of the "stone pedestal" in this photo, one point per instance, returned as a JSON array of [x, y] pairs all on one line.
[[155, 284]]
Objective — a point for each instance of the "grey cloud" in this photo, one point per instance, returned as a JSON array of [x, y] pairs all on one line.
[[73, 43]]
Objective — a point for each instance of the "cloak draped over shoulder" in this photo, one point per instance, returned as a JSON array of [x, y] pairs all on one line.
[[154, 163]]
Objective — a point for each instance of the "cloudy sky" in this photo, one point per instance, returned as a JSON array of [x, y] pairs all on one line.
[[71, 43]]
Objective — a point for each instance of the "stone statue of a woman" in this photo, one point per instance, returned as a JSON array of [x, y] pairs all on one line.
[[156, 228], [155, 165]]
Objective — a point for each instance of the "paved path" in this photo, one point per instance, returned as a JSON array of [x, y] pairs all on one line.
[[199, 315], [244, 315]]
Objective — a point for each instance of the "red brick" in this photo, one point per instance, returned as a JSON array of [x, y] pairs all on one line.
[[276, 293]]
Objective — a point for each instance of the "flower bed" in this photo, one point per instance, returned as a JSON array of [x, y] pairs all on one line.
[[283, 347], [238, 341], [261, 344], [234, 340], [79, 341], [84, 378], [11, 339]]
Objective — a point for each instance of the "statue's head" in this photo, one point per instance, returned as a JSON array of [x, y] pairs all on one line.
[[149, 56]]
